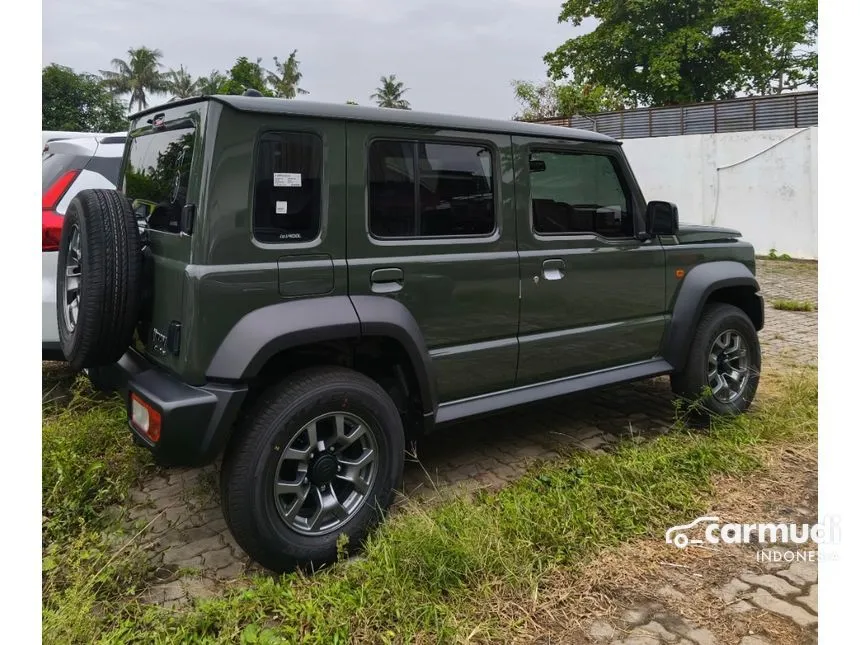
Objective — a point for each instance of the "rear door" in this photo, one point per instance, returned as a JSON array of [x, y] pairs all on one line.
[[593, 294], [161, 176], [431, 225]]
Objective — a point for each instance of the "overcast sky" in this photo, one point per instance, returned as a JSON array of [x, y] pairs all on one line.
[[456, 56]]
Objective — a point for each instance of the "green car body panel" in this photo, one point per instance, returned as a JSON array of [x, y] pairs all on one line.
[[484, 321]]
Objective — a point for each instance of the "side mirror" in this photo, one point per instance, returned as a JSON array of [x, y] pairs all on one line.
[[661, 218]]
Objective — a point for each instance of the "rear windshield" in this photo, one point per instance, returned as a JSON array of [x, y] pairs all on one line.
[[157, 172]]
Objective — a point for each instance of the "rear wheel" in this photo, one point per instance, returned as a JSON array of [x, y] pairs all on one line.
[[724, 363], [319, 456], [98, 275]]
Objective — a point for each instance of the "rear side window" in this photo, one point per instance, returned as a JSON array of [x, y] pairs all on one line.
[[422, 189], [288, 187], [157, 173]]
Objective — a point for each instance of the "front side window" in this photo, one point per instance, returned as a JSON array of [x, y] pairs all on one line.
[[420, 189], [157, 173], [288, 187], [573, 193]]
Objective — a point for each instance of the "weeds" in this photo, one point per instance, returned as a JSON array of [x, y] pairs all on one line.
[[773, 255], [793, 305]]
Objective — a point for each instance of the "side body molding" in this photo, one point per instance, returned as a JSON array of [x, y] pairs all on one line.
[[263, 333], [698, 285]]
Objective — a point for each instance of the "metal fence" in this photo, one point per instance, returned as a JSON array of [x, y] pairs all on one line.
[[795, 110]]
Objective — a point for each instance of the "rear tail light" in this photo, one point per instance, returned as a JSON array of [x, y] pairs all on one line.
[[145, 418], [52, 221]]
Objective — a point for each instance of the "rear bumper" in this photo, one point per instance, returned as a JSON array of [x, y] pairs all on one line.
[[195, 421]]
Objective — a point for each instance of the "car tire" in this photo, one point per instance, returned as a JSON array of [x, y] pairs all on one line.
[[722, 327], [101, 252], [278, 530]]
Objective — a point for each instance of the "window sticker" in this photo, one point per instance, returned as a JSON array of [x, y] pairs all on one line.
[[281, 208], [288, 180]]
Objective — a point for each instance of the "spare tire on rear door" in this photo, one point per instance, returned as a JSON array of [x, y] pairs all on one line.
[[98, 275]]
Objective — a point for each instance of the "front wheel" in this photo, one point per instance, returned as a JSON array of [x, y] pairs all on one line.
[[319, 456], [724, 363]]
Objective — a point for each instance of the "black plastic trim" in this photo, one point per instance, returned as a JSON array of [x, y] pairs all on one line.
[[382, 316], [195, 421], [261, 334], [530, 393], [699, 284]]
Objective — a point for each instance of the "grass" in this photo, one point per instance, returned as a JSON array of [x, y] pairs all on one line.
[[793, 305], [442, 573]]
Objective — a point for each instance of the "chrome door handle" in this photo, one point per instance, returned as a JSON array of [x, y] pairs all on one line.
[[553, 269]]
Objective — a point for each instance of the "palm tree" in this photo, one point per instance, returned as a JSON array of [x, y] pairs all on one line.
[[286, 77], [390, 94], [137, 76], [212, 84], [180, 84]]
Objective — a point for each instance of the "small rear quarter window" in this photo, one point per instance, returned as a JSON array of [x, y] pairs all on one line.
[[288, 187]]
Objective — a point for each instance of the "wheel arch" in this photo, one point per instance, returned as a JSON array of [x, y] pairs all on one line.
[[333, 330], [729, 282]]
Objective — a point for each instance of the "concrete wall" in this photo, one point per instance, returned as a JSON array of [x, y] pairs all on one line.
[[763, 183]]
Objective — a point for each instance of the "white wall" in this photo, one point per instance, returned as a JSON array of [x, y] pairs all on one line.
[[763, 183]]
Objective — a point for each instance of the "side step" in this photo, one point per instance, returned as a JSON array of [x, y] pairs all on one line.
[[476, 405]]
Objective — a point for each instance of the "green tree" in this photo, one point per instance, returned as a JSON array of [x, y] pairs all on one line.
[[286, 77], [778, 52], [78, 102], [212, 84], [550, 99], [663, 52], [180, 84], [390, 93], [245, 75], [136, 76]]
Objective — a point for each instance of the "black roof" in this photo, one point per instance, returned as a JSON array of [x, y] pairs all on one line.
[[266, 105]]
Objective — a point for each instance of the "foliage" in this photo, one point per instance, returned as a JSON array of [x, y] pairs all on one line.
[[212, 84], [662, 52], [136, 76], [245, 75], [431, 572], [180, 84], [88, 460], [78, 103], [351, 102], [286, 77], [793, 305], [779, 49], [565, 99], [773, 255], [390, 93]]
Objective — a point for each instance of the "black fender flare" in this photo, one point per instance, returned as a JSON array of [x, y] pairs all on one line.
[[265, 332], [699, 283]]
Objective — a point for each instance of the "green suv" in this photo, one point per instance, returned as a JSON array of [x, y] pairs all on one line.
[[306, 289]]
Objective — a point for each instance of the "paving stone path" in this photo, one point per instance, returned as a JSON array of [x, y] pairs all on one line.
[[787, 590], [191, 547]]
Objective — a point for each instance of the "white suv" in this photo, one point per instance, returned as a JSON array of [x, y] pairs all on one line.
[[69, 166]]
